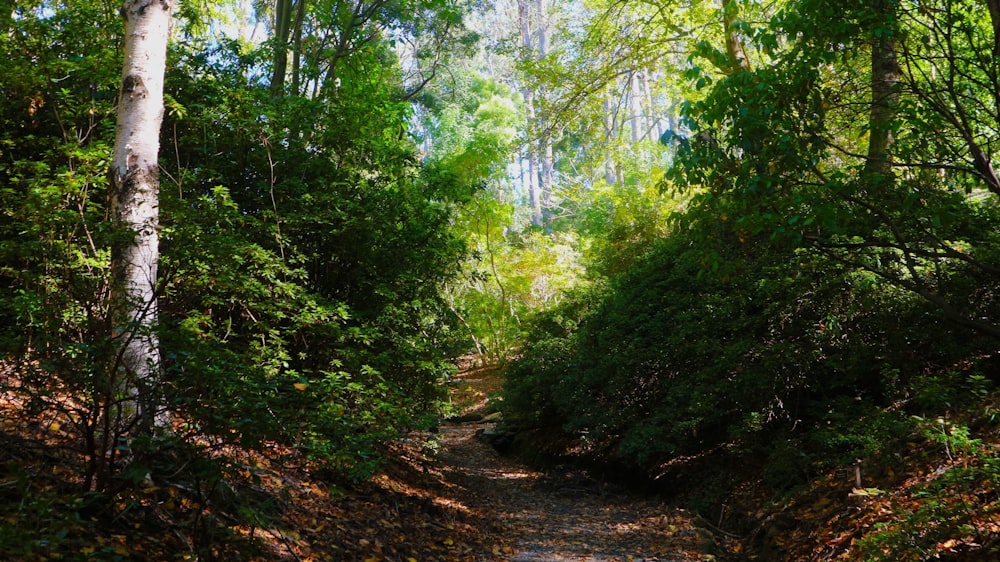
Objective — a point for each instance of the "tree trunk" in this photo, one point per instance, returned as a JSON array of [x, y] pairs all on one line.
[[885, 96], [524, 21], [282, 29], [654, 127], [734, 45], [534, 189], [134, 198], [542, 28], [524, 13], [994, 7], [545, 153], [610, 172], [300, 12], [548, 169], [635, 106]]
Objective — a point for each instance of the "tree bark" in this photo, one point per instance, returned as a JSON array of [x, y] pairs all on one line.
[[543, 28], [610, 135], [885, 95], [524, 22], [534, 160], [282, 29], [994, 7], [734, 45], [635, 106], [134, 176], [654, 127], [524, 13], [545, 152], [548, 169], [300, 13]]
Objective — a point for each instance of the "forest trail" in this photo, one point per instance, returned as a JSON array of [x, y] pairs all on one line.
[[563, 515], [559, 515]]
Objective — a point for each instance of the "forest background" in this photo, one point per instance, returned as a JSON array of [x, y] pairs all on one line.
[[764, 226]]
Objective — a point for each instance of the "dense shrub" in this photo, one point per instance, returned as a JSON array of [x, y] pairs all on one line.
[[717, 336], [303, 247]]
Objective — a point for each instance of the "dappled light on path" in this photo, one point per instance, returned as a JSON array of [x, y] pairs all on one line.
[[555, 517]]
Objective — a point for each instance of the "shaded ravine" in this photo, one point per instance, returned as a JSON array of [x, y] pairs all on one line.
[[564, 516]]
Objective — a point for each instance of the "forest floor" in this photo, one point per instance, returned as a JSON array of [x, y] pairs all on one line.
[[562, 514], [442, 497], [558, 515], [447, 496]]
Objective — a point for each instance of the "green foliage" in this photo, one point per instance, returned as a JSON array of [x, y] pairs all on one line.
[[304, 247], [622, 224], [534, 383], [945, 507], [802, 305], [781, 145], [852, 429], [315, 285], [719, 334], [56, 130], [949, 390], [318, 269], [509, 273], [507, 279]]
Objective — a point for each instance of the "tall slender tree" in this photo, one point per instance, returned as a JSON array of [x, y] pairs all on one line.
[[288, 17], [530, 41], [545, 125], [884, 88], [134, 179], [610, 135]]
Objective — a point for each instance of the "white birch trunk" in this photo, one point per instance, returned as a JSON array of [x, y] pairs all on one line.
[[135, 208]]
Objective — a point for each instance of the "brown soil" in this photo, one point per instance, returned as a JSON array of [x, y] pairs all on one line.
[[443, 497], [563, 515], [560, 515]]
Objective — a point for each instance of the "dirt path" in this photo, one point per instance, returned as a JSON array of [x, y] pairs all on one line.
[[563, 516]]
